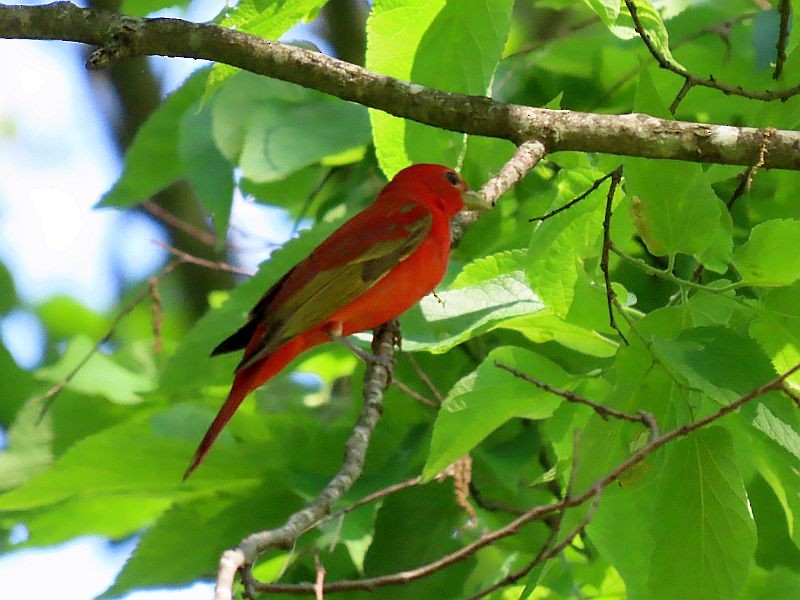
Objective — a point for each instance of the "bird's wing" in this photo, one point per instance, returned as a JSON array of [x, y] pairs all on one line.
[[347, 264]]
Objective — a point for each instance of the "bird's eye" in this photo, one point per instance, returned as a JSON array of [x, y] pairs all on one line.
[[452, 177]]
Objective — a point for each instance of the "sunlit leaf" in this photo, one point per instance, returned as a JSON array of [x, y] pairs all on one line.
[[487, 398], [452, 46]]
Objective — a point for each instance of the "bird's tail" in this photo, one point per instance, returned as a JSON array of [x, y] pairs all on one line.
[[246, 381]]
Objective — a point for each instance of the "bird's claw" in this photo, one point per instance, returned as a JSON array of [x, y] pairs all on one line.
[[397, 335]]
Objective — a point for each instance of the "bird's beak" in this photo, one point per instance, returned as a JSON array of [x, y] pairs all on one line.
[[475, 201]]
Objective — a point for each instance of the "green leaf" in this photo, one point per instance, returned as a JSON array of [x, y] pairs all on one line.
[[209, 174], [8, 295], [607, 10], [271, 128], [17, 386], [268, 19], [560, 244], [29, 447], [626, 511], [145, 455], [543, 327], [768, 585], [777, 430], [784, 480], [653, 26], [291, 193], [673, 206], [484, 400], [704, 534], [179, 546], [355, 531], [719, 253], [777, 329], [152, 161], [775, 546], [490, 291], [398, 546], [64, 318], [111, 515], [100, 375], [710, 360], [452, 46], [764, 260], [648, 100], [140, 8]]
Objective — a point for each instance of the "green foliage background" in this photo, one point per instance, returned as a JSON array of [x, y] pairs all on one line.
[[714, 515]]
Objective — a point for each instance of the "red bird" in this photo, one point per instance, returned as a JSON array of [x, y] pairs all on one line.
[[371, 270]]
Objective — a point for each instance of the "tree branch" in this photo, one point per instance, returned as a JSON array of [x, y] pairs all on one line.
[[785, 12], [557, 130], [690, 80], [656, 441], [376, 379]]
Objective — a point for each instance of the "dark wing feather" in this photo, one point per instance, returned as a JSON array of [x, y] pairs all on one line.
[[327, 291], [241, 338]]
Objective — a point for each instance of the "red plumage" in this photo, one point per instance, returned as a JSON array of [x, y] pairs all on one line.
[[370, 270]]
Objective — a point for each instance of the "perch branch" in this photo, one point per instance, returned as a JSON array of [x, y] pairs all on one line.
[[557, 130], [241, 558]]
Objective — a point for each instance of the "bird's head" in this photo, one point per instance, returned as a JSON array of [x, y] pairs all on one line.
[[441, 187]]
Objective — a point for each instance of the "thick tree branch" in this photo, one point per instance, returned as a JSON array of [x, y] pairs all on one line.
[[376, 379], [557, 130]]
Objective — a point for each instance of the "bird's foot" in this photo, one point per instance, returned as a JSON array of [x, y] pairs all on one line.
[[366, 356], [397, 335]]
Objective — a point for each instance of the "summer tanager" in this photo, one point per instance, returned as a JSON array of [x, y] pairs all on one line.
[[370, 270]]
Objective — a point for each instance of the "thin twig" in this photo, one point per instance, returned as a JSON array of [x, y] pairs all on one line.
[[691, 80], [526, 157], [785, 10], [320, 581], [604, 411], [49, 396], [413, 394], [425, 379], [185, 257], [723, 29], [157, 314], [789, 392], [536, 513], [545, 552], [597, 183], [492, 505], [377, 495], [611, 295], [166, 217], [669, 276]]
